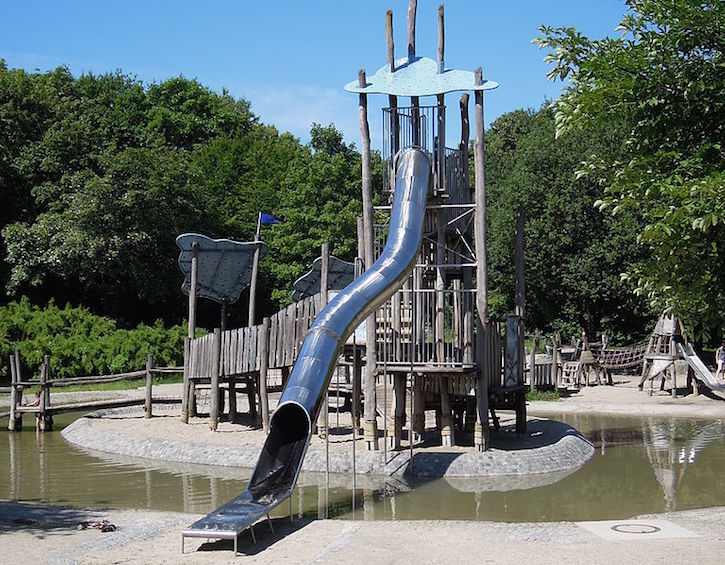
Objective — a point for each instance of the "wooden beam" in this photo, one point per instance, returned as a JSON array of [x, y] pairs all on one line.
[[214, 392], [185, 390], [412, 8], [370, 427], [149, 386], [390, 44], [192, 289], [441, 38], [322, 417], [263, 368], [481, 438]]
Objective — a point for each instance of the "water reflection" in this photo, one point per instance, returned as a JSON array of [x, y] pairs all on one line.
[[641, 466]]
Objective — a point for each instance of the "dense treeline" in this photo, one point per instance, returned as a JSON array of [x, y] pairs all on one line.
[[574, 254], [663, 79], [100, 174]]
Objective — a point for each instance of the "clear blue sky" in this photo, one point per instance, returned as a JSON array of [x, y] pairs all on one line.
[[291, 59]]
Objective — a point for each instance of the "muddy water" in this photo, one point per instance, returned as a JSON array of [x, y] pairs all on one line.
[[641, 465]]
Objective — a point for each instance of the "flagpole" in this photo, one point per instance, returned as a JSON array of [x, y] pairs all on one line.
[[255, 266]]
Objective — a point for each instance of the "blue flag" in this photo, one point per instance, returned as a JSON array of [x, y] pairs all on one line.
[[268, 219]]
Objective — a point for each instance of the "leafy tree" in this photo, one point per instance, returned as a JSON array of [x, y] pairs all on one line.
[[664, 79], [574, 255]]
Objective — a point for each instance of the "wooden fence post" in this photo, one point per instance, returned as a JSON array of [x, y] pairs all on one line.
[[13, 395], [44, 421], [214, 392], [232, 399], [555, 360], [185, 385], [149, 386], [263, 346], [532, 363]]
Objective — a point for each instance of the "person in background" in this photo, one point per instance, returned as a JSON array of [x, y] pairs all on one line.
[[720, 360]]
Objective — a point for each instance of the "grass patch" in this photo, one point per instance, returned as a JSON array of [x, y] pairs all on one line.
[[546, 395]]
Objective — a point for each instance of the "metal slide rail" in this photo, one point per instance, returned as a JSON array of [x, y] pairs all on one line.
[[280, 461], [702, 373]]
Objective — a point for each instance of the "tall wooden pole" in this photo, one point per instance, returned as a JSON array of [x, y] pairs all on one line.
[[370, 427], [255, 269], [263, 368], [392, 99], [390, 44], [322, 417], [412, 8], [192, 288], [214, 392], [479, 159], [520, 311], [441, 38]]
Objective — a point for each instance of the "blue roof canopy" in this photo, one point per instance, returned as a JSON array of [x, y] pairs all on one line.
[[419, 78]]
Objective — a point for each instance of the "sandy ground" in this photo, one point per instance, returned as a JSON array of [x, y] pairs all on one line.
[[46, 534]]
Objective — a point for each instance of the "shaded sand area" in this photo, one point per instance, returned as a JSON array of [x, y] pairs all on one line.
[[47, 534]]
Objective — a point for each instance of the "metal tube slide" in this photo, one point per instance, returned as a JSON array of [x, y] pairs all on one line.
[[280, 461]]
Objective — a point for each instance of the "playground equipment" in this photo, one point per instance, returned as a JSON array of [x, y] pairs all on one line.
[[416, 296], [291, 425], [666, 346]]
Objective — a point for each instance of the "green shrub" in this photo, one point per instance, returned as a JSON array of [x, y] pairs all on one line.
[[80, 343]]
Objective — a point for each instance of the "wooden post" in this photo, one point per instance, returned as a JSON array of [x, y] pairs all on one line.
[[149, 386], [412, 8], [481, 439], [392, 99], [322, 417], [13, 394], [263, 346], [390, 44], [185, 386], [520, 297], [555, 360], [45, 421], [370, 428], [232, 399], [441, 38], [520, 305], [255, 269], [214, 391], [19, 373], [192, 288], [532, 364], [447, 434]]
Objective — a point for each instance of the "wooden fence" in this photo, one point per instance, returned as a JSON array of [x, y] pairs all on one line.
[[44, 409]]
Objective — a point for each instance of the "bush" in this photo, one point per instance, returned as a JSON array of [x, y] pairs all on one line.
[[80, 343]]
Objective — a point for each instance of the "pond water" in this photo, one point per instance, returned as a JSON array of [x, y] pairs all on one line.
[[641, 465]]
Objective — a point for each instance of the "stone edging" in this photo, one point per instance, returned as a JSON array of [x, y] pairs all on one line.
[[565, 452]]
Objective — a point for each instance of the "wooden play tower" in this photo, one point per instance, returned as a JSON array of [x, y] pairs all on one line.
[[432, 346]]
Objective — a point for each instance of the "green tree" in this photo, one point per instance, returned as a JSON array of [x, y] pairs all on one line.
[[664, 78], [574, 255]]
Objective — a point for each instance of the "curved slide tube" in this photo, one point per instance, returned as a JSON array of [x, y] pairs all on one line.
[[290, 428]]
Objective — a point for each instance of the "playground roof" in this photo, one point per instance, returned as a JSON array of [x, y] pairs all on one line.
[[419, 78], [341, 274], [224, 266]]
